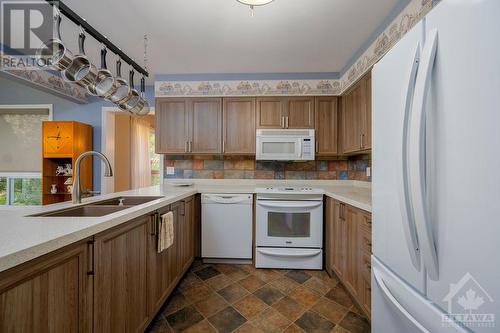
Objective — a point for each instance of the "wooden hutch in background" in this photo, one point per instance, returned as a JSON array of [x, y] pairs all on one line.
[[62, 143]]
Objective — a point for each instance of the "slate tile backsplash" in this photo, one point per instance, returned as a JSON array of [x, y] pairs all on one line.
[[245, 167]]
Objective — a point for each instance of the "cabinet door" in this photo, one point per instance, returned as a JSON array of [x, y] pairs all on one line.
[[299, 112], [366, 113], [326, 114], [161, 278], [351, 121], [339, 240], [197, 226], [351, 277], [120, 303], [189, 231], [179, 236], [329, 235], [270, 112], [49, 294], [206, 126], [57, 139], [171, 126], [239, 126]]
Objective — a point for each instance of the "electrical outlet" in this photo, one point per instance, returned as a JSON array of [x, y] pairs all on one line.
[[368, 172], [170, 171]]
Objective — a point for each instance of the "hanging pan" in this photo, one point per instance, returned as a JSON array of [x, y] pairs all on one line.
[[133, 95], [104, 84], [81, 70], [54, 52], [121, 93], [142, 106]]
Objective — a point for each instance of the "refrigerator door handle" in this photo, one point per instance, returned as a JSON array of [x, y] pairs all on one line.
[[390, 297], [404, 200], [416, 155]]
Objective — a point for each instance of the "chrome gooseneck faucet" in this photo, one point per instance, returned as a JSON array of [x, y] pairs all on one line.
[[77, 190]]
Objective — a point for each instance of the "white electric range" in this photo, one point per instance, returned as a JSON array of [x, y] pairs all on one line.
[[289, 228]]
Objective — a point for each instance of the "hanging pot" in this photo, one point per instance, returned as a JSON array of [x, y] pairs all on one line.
[[133, 95], [54, 52], [81, 70], [104, 84], [121, 93], [141, 108]]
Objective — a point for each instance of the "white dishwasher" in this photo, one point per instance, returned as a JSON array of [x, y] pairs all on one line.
[[226, 226]]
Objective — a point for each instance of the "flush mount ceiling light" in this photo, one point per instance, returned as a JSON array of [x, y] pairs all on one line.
[[253, 3]]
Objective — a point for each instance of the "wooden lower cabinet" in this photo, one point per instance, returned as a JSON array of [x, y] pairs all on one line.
[[348, 249], [50, 294], [165, 269], [115, 281], [120, 302]]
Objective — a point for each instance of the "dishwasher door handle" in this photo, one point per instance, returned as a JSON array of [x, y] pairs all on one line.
[[227, 199]]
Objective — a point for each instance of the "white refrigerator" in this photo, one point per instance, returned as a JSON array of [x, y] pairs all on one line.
[[436, 174]]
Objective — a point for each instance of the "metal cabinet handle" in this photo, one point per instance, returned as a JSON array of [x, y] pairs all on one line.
[[286, 121], [155, 218], [90, 257], [282, 122], [190, 146], [360, 141], [223, 146], [317, 146]]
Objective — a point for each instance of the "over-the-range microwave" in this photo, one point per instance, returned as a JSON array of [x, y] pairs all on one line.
[[285, 144]]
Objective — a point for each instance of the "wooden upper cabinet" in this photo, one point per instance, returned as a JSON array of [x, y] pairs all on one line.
[[238, 135], [120, 302], [172, 131], [356, 117], [299, 112], [285, 112], [270, 112], [206, 126], [326, 111], [49, 294], [188, 125]]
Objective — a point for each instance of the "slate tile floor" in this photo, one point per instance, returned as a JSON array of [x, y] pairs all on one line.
[[239, 298]]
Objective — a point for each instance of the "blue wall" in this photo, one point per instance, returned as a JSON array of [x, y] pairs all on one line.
[[14, 92]]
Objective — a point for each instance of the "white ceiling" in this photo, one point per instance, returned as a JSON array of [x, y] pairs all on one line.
[[220, 36]]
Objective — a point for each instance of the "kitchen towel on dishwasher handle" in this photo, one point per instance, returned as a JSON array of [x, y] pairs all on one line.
[[166, 232]]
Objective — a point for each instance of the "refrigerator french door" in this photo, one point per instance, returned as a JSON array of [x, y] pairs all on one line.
[[436, 188]]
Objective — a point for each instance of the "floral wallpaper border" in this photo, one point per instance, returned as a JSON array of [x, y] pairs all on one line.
[[247, 88], [412, 14], [49, 81]]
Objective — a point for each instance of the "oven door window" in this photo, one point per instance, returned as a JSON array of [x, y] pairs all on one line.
[[288, 225]]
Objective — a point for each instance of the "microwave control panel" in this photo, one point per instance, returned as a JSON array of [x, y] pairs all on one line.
[[308, 148]]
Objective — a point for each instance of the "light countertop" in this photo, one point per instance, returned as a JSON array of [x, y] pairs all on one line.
[[23, 238]]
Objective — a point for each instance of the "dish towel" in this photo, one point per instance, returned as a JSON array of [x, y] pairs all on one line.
[[166, 232]]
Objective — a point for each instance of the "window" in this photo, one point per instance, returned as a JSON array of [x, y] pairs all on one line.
[[20, 189], [20, 152], [154, 160]]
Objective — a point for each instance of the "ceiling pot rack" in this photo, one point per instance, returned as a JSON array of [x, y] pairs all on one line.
[[79, 21], [78, 69]]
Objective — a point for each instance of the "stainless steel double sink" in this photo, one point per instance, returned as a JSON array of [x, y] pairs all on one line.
[[99, 208]]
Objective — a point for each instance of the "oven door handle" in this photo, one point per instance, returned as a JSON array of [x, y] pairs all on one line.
[[277, 253], [281, 204]]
